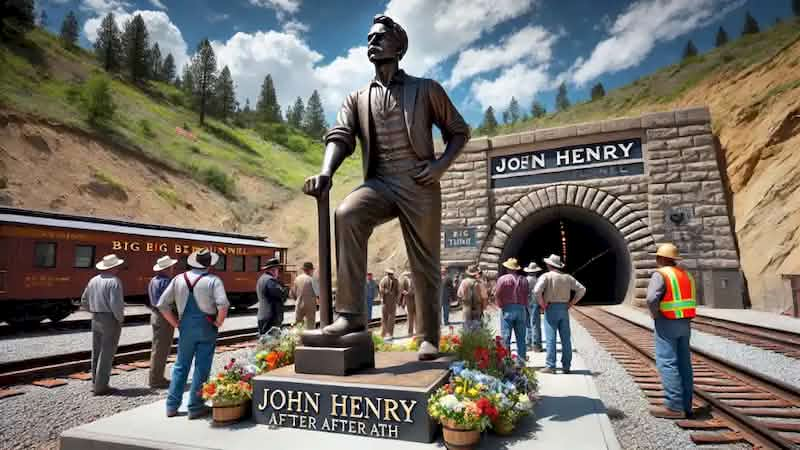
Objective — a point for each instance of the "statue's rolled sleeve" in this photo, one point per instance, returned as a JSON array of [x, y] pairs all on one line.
[[445, 115], [346, 128]]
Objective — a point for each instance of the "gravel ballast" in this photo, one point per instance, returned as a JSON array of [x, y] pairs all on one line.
[[627, 406]]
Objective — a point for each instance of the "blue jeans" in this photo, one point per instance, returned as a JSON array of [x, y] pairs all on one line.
[[674, 362], [534, 325], [515, 318], [197, 340], [556, 319], [446, 311], [370, 302]]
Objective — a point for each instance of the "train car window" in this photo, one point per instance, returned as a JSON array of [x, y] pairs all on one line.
[[238, 263], [44, 254], [84, 256], [221, 264], [254, 263]]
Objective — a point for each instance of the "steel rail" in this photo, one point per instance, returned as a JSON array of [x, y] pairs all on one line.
[[762, 435]]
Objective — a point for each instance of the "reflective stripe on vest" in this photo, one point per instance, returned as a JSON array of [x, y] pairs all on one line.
[[680, 297]]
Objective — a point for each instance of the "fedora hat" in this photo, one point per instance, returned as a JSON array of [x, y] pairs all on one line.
[[165, 262], [390, 271], [473, 270], [554, 261], [668, 251], [202, 259], [511, 264], [533, 268], [308, 265], [109, 262], [272, 262]]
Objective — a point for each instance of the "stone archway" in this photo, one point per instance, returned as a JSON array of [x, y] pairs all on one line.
[[631, 226]]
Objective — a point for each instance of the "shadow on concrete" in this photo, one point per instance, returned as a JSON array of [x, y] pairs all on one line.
[[568, 408], [525, 431]]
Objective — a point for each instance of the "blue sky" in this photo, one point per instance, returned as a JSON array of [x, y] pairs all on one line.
[[482, 51]]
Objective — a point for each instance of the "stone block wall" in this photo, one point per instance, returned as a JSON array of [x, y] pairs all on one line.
[[681, 176]]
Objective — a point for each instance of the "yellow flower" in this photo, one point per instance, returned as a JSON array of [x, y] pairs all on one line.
[[473, 392], [459, 389]]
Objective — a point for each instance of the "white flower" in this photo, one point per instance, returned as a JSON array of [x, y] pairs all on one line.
[[450, 402]]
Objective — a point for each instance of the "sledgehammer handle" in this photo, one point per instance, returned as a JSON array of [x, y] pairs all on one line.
[[325, 292]]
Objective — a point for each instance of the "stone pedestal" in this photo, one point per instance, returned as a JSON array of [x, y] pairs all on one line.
[[327, 355], [388, 401]]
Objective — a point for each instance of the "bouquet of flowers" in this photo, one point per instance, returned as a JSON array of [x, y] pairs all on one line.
[[382, 346], [230, 387], [465, 402], [450, 342], [276, 349]]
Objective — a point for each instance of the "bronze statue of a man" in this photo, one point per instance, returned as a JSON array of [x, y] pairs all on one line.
[[392, 118]]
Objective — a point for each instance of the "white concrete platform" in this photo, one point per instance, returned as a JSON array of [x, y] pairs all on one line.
[[569, 415], [751, 317]]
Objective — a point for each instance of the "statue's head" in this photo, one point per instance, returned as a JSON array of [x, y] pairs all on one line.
[[387, 40]]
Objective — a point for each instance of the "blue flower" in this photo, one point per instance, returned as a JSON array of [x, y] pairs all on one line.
[[457, 367]]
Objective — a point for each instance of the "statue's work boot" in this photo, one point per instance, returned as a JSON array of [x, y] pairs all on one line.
[[345, 324], [427, 351]]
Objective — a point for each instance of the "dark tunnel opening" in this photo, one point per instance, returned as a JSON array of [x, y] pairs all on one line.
[[593, 250]]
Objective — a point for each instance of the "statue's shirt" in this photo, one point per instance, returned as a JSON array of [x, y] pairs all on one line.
[[394, 152]]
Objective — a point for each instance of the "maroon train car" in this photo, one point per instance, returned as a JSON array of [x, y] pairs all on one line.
[[46, 259]]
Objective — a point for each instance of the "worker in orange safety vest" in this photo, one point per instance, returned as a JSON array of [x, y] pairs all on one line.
[[672, 299]]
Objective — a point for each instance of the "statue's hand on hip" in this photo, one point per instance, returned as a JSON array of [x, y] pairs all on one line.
[[317, 185], [430, 171]]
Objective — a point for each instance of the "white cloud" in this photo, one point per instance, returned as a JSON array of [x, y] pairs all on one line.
[[159, 26], [638, 29], [103, 7], [158, 4], [295, 27], [282, 7], [520, 81], [532, 44], [218, 17]]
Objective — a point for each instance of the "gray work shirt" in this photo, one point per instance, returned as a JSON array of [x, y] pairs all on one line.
[[531, 286], [103, 294], [556, 287], [209, 292], [655, 292]]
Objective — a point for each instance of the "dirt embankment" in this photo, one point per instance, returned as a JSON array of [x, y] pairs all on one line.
[[48, 166], [756, 115]]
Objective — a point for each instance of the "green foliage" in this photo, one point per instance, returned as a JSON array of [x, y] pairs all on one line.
[[170, 196], [136, 49], [108, 45], [489, 123], [16, 18], [512, 111], [750, 25], [224, 133], [562, 100], [167, 73], [218, 180], [97, 101], [154, 62], [204, 69], [267, 108], [598, 91], [69, 31], [690, 51], [537, 110], [314, 117], [109, 180], [296, 113], [722, 38], [224, 95], [147, 129]]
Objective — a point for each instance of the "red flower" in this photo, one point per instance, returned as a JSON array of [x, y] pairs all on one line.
[[456, 340], [486, 408]]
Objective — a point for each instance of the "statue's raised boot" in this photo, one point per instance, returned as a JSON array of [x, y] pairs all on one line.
[[346, 324], [427, 351]]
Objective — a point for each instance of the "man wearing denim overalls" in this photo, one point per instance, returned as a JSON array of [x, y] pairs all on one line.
[[202, 306]]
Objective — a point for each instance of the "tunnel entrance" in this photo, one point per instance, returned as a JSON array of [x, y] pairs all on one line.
[[593, 250]]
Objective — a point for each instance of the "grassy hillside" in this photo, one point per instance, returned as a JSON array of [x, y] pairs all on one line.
[[660, 90], [42, 78]]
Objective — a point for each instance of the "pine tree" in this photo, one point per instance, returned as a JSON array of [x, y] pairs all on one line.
[[796, 7], [187, 81], [598, 91], [69, 31], [690, 51], [168, 69], [513, 110], [155, 63], [16, 17], [314, 123], [537, 110], [750, 25], [136, 48], [43, 19], [295, 117], [204, 70], [722, 38], [108, 45], [506, 117], [224, 94], [489, 124], [562, 100], [267, 107]]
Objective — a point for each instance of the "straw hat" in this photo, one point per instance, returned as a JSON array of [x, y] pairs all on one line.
[[272, 262], [473, 270], [668, 251], [165, 262], [390, 271], [511, 264], [109, 262], [202, 259], [555, 261], [533, 268]]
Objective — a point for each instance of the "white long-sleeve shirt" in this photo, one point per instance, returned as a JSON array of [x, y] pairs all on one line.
[[104, 294]]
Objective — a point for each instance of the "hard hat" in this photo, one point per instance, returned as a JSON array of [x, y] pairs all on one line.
[[668, 251]]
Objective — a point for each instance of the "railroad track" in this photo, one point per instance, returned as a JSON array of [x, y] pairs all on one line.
[[745, 406], [785, 343], [24, 371]]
